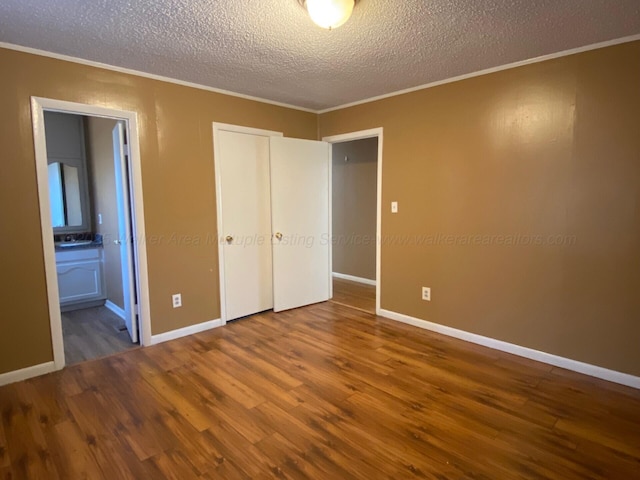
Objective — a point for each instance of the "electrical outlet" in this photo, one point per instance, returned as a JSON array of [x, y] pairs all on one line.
[[426, 294], [177, 300]]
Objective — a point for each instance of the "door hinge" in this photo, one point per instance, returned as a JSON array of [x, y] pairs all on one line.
[[125, 148]]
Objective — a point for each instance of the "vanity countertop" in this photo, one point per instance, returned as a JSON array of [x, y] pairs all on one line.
[[78, 246]]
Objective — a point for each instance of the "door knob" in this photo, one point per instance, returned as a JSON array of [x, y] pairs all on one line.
[[117, 242], [279, 236], [229, 238]]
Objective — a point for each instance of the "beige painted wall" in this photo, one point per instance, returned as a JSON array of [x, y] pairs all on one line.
[[547, 153], [354, 194], [178, 185], [102, 178], [518, 195]]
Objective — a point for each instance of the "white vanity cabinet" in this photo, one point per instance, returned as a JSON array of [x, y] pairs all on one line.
[[80, 276]]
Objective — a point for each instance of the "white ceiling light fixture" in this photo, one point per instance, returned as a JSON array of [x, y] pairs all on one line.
[[329, 14]]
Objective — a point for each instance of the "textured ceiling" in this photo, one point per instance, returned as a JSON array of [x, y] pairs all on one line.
[[270, 48]]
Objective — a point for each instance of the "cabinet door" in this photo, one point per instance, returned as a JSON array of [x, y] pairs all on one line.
[[80, 281]]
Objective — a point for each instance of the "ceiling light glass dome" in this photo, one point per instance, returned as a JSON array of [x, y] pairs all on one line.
[[329, 14]]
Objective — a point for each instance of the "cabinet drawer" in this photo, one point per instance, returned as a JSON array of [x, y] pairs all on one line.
[[78, 254]]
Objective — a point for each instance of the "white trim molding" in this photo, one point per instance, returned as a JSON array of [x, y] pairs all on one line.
[[152, 76], [555, 360], [38, 107], [138, 73], [227, 127], [479, 73], [361, 135], [351, 278], [185, 331], [115, 309], [26, 373]]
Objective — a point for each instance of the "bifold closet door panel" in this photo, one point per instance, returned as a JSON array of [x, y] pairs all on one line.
[[300, 222], [246, 221]]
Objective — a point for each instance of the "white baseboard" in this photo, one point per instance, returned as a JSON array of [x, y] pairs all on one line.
[[343, 276], [183, 332], [115, 309], [555, 360], [25, 373]]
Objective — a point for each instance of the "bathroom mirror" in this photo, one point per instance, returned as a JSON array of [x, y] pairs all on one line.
[[65, 195], [67, 172]]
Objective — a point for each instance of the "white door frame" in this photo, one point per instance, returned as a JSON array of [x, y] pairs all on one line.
[[361, 135], [38, 107], [218, 127]]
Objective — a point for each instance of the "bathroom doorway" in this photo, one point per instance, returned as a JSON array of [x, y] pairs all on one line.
[[91, 212]]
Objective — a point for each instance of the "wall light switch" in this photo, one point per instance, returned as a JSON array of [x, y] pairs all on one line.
[[394, 207], [99, 219]]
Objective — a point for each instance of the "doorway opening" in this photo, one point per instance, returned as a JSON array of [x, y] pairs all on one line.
[[89, 188], [356, 165]]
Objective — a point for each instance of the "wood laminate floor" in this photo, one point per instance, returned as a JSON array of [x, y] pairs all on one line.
[[93, 333], [322, 392], [354, 295]]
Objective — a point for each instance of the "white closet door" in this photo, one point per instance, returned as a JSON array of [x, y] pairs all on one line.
[[300, 219], [246, 223]]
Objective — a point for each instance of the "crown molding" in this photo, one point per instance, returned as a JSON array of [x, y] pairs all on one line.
[[138, 73], [508, 66]]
